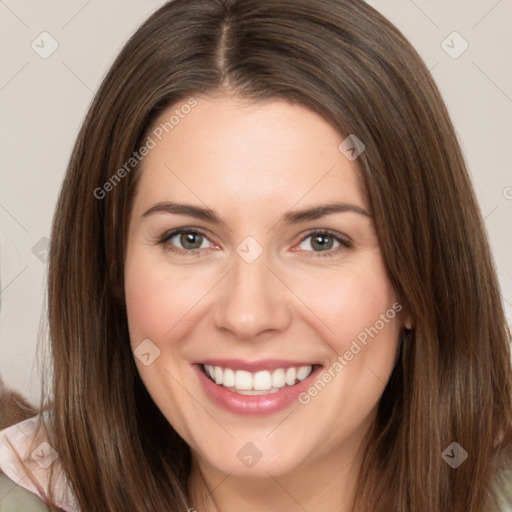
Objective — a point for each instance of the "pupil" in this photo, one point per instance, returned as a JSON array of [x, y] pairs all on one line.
[[191, 240], [322, 242]]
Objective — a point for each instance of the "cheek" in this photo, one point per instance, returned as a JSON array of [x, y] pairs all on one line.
[[146, 302], [358, 317], [163, 304], [350, 300], [160, 300]]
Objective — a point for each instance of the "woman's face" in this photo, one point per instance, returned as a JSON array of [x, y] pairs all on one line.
[[252, 255]]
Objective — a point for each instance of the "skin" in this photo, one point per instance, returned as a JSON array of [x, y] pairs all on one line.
[[251, 163]]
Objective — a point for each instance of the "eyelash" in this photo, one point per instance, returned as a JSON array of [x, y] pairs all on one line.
[[164, 241]]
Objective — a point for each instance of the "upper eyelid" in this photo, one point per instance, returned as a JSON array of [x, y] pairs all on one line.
[[186, 229], [334, 234]]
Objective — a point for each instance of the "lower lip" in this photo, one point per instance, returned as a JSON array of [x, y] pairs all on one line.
[[253, 405]]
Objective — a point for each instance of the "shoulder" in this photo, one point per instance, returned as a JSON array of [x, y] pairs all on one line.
[[30, 470], [14, 498], [503, 491], [502, 483], [16, 491]]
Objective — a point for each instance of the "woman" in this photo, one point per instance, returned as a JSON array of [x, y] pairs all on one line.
[[270, 287]]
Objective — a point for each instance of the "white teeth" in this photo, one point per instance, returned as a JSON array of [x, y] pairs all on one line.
[[262, 381], [210, 370], [291, 375], [254, 383], [278, 378], [303, 372], [228, 378], [243, 379]]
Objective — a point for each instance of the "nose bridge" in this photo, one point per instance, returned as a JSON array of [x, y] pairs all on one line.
[[253, 300]]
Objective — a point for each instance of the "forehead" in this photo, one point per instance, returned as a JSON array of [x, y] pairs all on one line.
[[254, 156]]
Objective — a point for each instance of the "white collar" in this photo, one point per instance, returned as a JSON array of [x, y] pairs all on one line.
[[22, 454]]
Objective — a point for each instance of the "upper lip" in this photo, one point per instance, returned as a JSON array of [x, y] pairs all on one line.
[[256, 366]]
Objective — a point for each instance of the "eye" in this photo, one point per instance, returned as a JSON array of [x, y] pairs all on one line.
[[191, 241], [324, 242], [185, 241]]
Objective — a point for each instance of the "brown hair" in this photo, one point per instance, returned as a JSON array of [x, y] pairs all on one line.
[[14, 407], [343, 60]]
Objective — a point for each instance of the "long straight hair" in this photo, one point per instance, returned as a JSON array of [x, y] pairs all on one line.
[[343, 60]]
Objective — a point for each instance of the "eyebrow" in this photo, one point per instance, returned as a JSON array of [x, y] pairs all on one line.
[[294, 217]]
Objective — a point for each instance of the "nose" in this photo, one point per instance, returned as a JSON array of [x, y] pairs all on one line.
[[252, 301]]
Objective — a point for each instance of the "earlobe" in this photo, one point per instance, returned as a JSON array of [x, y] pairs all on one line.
[[405, 315], [408, 320]]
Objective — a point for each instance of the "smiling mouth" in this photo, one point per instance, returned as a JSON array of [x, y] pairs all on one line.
[[263, 382]]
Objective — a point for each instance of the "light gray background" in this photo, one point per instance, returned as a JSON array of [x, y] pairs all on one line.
[[43, 102]]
